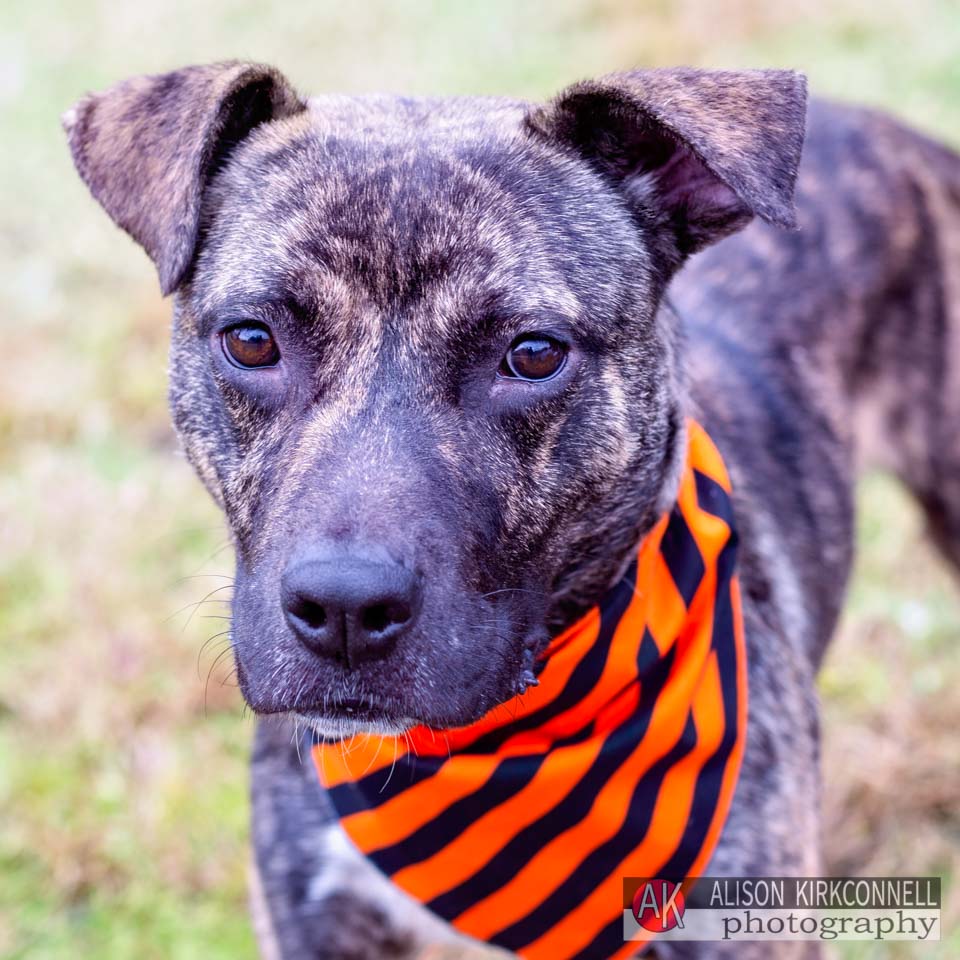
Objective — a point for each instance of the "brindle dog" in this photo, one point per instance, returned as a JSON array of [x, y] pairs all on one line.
[[368, 292]]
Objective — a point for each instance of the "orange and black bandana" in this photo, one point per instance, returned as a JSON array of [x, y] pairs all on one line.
[[519, 828]]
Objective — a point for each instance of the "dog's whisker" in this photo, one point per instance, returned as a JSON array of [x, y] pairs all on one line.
[[375, 757], [226, 545], [296, 737], [494, 593], [223, 636], [213, 666], [392, 766], [193, 611], [199, 576], [198, 603]]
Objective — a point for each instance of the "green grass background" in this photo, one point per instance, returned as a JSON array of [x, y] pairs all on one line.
[[123, 745]]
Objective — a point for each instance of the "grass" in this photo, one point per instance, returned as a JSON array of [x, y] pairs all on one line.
[[123, 746]]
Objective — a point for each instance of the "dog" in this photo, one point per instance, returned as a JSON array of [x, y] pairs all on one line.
[[438, 361]]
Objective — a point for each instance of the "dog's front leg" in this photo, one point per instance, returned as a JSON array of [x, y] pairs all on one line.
[[314, 897], [305, 904]]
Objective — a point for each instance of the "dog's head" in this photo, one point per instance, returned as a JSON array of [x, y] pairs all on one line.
[[418, 355]]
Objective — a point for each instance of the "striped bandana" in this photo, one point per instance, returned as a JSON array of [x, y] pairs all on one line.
[[519, 829]]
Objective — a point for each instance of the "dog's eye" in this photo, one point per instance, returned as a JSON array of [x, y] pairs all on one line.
[[533, 357], [250, 345]]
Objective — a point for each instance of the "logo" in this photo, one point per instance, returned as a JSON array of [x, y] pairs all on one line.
[[820, 909], [658, 905]]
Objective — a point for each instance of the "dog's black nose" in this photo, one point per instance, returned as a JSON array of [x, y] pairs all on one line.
[[347, 608]]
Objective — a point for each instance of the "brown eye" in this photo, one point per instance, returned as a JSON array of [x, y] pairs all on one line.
[[533, 357], [250, 345]]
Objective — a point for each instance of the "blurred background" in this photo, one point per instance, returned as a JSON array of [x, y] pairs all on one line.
[[123, 742]]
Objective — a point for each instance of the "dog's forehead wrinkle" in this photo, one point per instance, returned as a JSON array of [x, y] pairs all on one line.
[[376, 210], [404, 237]]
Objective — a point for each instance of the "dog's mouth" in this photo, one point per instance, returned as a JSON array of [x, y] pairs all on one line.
[[348, 717], [439, 675]]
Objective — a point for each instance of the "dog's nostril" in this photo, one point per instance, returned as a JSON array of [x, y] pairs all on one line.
[[381, 616], [347, 608], [314, 615]]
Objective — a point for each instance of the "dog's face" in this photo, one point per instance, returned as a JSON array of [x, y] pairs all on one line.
[[418, 354]]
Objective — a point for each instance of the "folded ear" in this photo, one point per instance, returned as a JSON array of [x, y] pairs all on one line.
[[700, 151], [148, 147]]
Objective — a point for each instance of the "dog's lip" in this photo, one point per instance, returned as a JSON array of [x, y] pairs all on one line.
[[354, 717], [353, 709]]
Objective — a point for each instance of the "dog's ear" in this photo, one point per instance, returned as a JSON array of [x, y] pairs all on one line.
[[148, 147], [701, 151]]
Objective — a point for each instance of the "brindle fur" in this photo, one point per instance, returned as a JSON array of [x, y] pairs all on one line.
[[396, 246]]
